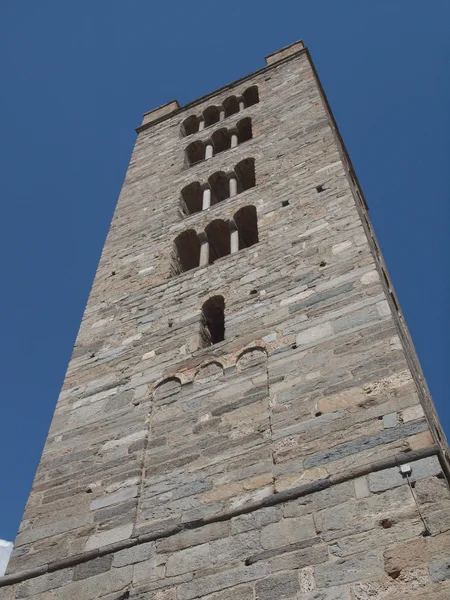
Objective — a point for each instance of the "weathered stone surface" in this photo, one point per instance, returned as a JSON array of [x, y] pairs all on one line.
[[194, 470], [390, 478], [278, 586], [93, 567]]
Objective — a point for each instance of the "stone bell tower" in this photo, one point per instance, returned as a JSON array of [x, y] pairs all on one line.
[[243, 416]]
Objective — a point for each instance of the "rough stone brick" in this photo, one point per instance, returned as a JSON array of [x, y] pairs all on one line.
[[389, 478], [362, 566], [440, 570], [283, 586], [188, 560], [93, 567], [361, 487], [104, 538], [256, 520], [287, 531]]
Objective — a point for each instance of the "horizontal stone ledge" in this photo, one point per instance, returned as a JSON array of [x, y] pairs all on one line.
[[285, 496]]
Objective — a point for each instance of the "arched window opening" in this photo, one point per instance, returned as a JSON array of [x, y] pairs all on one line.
[[251, 96], [220, 189], [231, 106], [189, 126], [195, 152], [218, 234], [221, 140], [245, 172], [246, 221], [191, 198], [211, 115], [186, 253], [244, 129], [213, 321]]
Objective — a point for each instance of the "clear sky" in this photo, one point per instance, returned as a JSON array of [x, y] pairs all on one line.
[[76, 78]]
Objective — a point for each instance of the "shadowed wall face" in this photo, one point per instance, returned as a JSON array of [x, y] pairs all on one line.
[[237, 409]]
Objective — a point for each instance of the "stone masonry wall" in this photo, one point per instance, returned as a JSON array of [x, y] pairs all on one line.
[[268, 465]]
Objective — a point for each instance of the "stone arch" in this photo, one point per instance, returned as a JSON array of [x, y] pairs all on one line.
[[231, 106], [221, 140], [211, 115], [218, 234], [251, 96], [209, 372], [186, 252], [245, 173], [189, 126], [244, 130], [220, 189], [246, 221], [195, 152], [191, 198], [166, 388], [251, 357]]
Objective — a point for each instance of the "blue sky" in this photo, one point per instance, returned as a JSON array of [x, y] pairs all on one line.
[[77, 77]]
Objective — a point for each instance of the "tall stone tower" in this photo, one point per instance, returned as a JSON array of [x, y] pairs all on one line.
[[244, 416]]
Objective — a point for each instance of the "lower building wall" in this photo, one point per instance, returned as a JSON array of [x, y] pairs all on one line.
[[383, 535]]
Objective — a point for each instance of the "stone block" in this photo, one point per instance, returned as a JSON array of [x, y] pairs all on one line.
[[134, 555], [115, 498], [287, 531], [219, 581], [412, 413], [256, 519], [440, 570], [188, 560], [92, 567], [104, 538], [50, 581], [283, 586], [390, 420], [341, 401], [360, 566], [314, 334], [389, 478], [195, 537], [361, 487]]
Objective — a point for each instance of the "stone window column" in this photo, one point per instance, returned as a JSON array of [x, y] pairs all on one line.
[[241, 105], [206, 203], [234, 238], [209, 151], [204, 250], [222, 115], [233, 186], [201, 125], [234, 140]]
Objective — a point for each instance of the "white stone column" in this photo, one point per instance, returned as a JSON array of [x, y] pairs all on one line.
[[201, 125], [234, 241], [233, 186], [234, 140], [209, 151], [241, 105], [206, 199], [221, 114], [204, 253]]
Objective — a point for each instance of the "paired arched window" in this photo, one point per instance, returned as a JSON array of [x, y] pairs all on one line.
[[219, 239], [213, 321], [214, 114], [220, 186], [222, 139]]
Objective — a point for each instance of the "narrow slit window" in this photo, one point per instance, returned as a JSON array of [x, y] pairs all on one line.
[[213, 321]]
